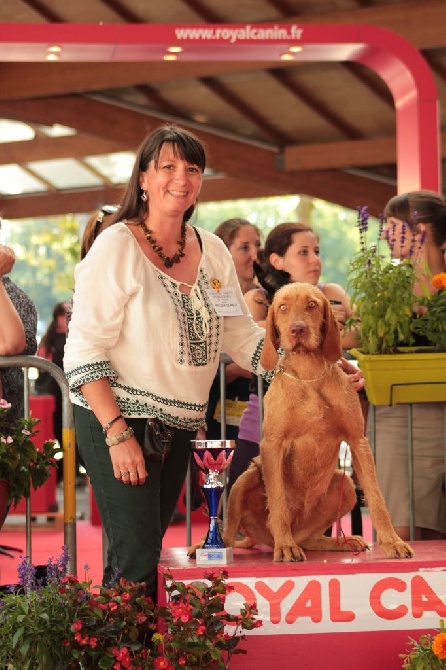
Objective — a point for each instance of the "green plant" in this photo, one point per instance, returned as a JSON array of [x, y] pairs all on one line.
[[381, 290], [432, 323], [426, 653], [65, 623], [22, 465]]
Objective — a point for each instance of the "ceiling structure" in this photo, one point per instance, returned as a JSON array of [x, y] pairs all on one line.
[[323, 129]]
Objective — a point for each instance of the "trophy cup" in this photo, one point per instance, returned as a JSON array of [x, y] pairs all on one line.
[[213, 457]]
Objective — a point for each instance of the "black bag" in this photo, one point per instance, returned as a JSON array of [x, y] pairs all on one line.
[[157, 440]]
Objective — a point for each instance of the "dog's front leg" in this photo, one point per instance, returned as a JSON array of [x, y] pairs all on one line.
[[279, 522], [392, 545]]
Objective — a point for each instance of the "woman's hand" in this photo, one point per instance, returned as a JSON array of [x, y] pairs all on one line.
[[354, 374], [128, 462]]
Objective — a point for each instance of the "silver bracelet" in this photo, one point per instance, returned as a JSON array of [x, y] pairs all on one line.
[[120, 437]]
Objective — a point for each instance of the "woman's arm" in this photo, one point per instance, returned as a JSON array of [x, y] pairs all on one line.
[[342, 312], [126, 456], [12, 331]]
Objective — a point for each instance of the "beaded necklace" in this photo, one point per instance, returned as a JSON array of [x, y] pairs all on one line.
[[158, 249]]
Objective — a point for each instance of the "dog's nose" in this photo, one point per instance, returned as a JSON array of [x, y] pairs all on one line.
[[298, 328]]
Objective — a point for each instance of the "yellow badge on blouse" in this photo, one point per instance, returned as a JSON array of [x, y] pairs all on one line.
[[215, 284]]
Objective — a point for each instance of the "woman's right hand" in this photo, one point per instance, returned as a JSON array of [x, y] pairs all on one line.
[[128, 462]]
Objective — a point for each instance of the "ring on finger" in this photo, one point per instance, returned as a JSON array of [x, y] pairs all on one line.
[[124, 474], [133, 474]]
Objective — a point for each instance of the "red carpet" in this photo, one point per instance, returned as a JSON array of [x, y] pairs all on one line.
[[47, 543]]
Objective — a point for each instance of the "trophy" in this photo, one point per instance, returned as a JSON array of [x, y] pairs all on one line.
[[213, 457]]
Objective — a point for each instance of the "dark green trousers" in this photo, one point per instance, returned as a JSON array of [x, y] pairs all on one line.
[[135, 518]]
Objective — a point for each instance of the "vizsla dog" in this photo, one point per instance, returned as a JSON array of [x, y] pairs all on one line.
[[293, 491]]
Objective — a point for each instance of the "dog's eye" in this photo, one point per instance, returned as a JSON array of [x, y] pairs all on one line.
[[312, 304], [283, 307]]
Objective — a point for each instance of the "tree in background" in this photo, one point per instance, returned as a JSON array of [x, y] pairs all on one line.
[[47, 249]]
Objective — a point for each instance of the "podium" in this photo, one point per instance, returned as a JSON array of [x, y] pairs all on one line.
[[336, 610]]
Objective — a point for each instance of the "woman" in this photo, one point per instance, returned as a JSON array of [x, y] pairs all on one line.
[[291, 254], [242, 238], [18, 325], [424, 212], [52, 347], [155, 303]]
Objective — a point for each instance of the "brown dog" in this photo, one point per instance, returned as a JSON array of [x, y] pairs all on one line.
[[293, 491]]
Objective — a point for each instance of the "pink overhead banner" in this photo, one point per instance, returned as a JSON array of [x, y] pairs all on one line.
[[393, 58]]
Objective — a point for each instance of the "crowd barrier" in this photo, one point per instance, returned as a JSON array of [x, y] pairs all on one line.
[[68, 445]]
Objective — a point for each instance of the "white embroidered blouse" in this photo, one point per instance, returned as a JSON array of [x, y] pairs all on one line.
[[159, 347]]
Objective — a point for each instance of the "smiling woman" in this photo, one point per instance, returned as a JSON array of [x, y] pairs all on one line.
[[145, 341]]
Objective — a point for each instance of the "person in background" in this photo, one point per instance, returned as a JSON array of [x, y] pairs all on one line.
[[98, 221], [290, 254], [18, 327], [51, 347], [144, 341], [424, 212], [242, 238]]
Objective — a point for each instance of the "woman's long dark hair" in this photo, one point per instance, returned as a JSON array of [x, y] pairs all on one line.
[[278, 242], [49, 337]]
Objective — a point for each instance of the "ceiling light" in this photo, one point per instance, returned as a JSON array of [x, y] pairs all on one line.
[[170, 56], [55, 48], [295, 49], [175, 50], [52, 56], [286, 56]]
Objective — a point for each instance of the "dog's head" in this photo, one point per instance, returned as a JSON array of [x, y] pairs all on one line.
[[300, 319]]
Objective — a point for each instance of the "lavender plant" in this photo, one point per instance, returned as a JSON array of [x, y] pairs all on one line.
[[381, 290]]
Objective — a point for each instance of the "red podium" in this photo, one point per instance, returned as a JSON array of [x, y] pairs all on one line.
[[336, 610], [44, 498]]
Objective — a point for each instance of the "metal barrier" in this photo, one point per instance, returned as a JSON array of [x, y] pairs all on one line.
[[68, 445]]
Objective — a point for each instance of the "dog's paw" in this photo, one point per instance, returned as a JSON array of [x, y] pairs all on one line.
[[192, 551], [399, 549], [288, 553]]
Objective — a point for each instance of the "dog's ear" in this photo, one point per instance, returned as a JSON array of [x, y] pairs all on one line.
[[269, 355], [331, 346]]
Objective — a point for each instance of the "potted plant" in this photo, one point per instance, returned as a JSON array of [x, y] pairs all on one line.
[[22, 465], [382, 297], [67, 623], [426, 653]]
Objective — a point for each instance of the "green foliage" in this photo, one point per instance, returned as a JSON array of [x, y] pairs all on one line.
[[382, 296], [46, 251], [65, 623], [22, 465], [432, 324], [426, 653]]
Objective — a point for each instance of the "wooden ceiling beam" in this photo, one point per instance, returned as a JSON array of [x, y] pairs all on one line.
[[329, 155], [409, 20], [53, 148], [308, 98], [245, 110], [357, 153], [20, 81], [96, 118], [43, 11], [340, 188]]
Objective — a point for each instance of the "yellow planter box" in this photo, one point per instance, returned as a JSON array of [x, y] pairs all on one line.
[[411, 376]]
